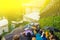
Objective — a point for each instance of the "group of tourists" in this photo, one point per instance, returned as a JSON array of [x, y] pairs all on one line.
[[35, 33]]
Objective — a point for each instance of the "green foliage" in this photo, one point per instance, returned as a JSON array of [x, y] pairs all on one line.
[[24, 23], [46, 21], [51, 21]]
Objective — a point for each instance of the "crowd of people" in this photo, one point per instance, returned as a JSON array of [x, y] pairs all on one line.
[[35, 33]]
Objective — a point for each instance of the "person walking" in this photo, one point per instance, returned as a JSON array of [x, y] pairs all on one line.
[[52, 36], [44, 37], [23, 36], [38, 37], [29, 36]]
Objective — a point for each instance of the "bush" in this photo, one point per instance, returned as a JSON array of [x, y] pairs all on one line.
[[51, 21]]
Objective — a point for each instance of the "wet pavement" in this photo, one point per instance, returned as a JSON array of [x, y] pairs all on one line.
[[14, 32]]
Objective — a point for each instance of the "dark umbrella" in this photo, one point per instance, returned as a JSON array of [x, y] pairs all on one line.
[[49, 28], [52, 29]]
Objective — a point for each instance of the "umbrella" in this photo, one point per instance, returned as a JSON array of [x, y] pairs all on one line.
[[50, 28]]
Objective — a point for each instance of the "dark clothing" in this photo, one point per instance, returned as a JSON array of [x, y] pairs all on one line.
[[0, 37], [29, 36], [23, 37], [44, 38], [56, 37]]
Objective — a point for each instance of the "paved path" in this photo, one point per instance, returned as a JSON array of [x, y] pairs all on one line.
[[15, 31]]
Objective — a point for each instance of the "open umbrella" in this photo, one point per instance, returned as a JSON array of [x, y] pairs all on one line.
[[49, 28]]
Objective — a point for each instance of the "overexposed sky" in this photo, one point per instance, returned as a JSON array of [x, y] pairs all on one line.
[[16, 5]]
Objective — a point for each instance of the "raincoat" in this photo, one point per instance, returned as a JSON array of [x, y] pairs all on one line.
[[38, 36]]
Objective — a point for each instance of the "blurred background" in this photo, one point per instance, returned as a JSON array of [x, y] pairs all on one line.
[[16, 13]]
